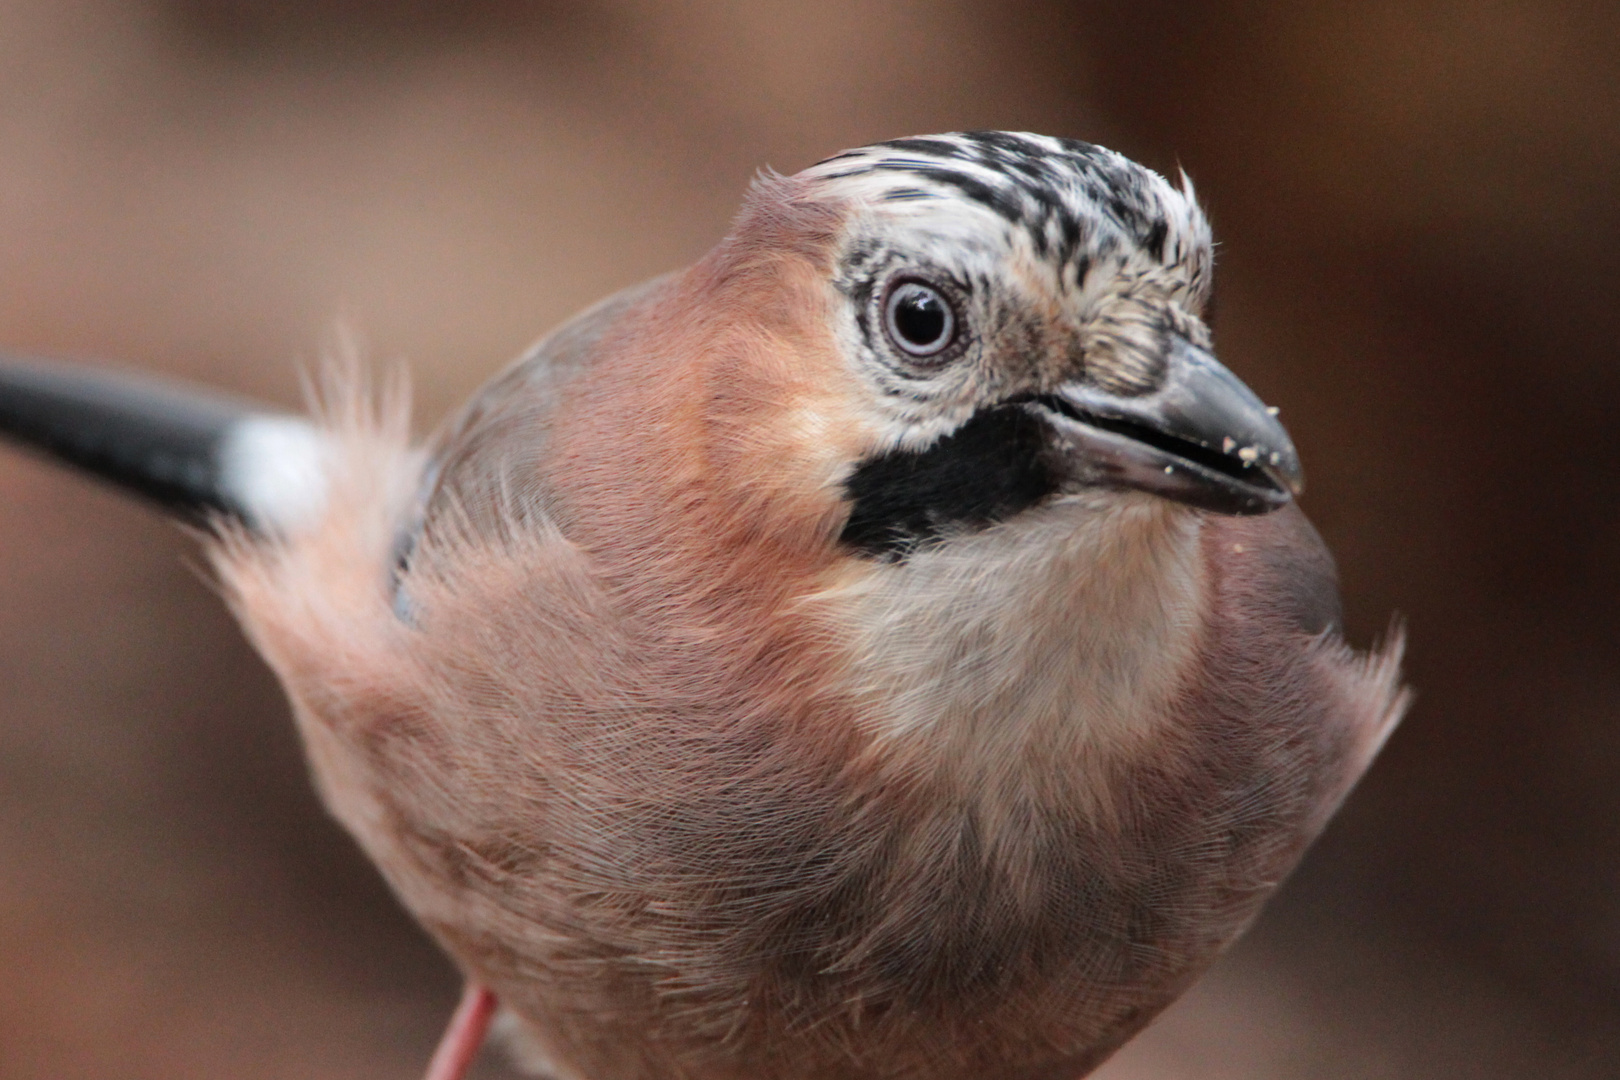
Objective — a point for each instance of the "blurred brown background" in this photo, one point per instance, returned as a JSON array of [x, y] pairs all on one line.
[[1421, 251]]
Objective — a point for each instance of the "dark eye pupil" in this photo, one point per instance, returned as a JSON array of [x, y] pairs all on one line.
[[920, 320]]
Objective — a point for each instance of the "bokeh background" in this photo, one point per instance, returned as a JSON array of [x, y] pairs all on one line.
[[1417, 203]]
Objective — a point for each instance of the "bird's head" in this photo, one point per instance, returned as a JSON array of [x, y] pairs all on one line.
[[1017, 319]]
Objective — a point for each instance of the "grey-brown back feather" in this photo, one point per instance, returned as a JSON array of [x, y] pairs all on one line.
[[486, 465]]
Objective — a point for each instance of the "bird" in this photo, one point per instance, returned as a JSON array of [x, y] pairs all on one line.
[[889, 647]]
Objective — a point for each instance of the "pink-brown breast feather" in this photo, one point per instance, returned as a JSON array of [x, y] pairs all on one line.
[[1279, 637]]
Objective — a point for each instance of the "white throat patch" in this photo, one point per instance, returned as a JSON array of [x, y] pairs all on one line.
[[1065, 632]]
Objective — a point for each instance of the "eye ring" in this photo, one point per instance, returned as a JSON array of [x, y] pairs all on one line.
[[920, 319]]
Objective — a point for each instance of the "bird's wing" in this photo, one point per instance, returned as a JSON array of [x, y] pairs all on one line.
[[485, 469]]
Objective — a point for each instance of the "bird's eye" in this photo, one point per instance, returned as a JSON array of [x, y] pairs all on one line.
[[919, 319]]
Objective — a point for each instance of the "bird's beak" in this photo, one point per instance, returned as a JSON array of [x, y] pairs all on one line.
[[1202, 437]]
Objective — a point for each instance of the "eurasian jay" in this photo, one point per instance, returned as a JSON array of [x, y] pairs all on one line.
[[887, 648]]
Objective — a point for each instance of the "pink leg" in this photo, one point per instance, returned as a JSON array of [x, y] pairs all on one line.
[[461, 1040]]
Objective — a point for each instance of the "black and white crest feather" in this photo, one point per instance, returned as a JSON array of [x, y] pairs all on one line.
[[1068, 195]]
